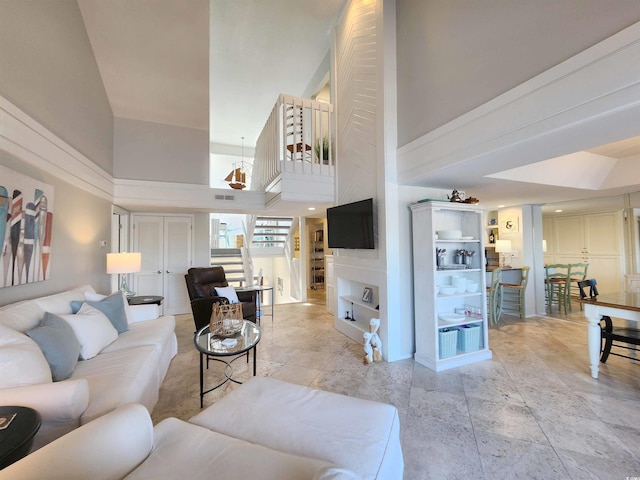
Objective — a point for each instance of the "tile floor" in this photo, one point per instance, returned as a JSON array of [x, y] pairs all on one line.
[[533, 411]]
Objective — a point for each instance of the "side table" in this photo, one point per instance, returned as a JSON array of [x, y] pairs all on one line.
[[259, 301], [145, 300], [16, 439]]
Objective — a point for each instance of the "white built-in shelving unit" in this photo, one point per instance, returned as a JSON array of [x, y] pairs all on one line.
[[430, 304]]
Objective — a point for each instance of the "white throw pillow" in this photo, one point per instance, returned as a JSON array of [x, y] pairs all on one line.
[[21, 360], [228, 292], [93, 329]]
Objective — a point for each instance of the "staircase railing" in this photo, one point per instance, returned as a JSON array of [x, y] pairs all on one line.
[[296, 138]]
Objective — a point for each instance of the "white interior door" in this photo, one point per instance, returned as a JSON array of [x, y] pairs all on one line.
[[148, 239], [177, 260]]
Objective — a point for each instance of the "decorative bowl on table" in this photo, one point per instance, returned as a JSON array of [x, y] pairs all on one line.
[[226, 328]]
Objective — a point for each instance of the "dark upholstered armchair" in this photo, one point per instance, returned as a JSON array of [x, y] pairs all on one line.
[[201, 283]]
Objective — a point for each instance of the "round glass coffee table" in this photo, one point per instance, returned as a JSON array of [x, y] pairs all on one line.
[[219, 349]]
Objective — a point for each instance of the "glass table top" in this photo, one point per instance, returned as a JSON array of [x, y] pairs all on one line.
[[216, 345]]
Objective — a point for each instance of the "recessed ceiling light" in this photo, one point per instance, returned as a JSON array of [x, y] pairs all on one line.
[[311, 208], [500, 206], [558, 211]]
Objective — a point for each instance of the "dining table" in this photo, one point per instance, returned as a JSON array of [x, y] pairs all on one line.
[[624, 305]]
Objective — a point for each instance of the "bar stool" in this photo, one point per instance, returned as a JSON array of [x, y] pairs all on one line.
[[494, 297], [513, 297], [557, 281]]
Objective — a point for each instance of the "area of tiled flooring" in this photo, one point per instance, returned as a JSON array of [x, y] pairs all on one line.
[[533, 411]]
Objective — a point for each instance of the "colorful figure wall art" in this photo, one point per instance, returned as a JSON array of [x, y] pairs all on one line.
[[26, 221]]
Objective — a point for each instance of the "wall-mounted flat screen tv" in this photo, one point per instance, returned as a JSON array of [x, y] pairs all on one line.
[[351, 225]]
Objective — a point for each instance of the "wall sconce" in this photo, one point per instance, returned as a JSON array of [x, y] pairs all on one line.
[[503, 247], [544, 246], [122, 264]]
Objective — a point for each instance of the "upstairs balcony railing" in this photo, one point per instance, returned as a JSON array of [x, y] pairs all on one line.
[[296, 138]]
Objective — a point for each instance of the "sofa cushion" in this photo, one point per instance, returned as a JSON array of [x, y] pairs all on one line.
[[228, 292], [182, 450], [93, 330], [112, 306], [360, 435], [116, 378], [21, 360], [59, 343], [157, 333]]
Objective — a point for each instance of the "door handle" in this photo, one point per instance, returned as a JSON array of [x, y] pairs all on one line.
[[159, 272], [168, 271]]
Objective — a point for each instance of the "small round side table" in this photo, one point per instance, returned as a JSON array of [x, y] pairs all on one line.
[[16, 439], [145, 300]]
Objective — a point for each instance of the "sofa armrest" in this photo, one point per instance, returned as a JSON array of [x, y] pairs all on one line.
[[142, 313], [58, 403], [109, 447]]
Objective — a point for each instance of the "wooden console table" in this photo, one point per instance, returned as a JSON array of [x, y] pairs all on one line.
[[625, 305]]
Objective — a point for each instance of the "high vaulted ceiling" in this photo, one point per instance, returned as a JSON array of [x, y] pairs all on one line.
[[157, 58]]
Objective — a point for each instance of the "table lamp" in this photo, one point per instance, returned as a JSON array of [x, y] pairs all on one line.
[[503, 247], [122, 264]]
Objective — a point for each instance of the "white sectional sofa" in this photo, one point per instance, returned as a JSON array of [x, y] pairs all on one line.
[[265, 429], [129, 369]]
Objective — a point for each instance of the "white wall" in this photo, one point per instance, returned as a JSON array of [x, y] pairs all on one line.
[[47, 69], [453, 56], [155, 151]]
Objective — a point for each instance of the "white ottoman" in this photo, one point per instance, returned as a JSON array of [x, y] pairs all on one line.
[[360, 435]]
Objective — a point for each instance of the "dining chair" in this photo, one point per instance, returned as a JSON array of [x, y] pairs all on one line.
[[513, 294], [577, 273], [556, 281], [494, 297]]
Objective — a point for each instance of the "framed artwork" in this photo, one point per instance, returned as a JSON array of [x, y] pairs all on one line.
[[510, 224], [26, 223], [367, 294]]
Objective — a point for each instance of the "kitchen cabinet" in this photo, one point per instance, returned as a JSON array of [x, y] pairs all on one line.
[[595, 239], [439, 314]]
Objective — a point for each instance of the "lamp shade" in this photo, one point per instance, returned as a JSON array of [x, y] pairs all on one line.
[[124, 262], [503, 246]]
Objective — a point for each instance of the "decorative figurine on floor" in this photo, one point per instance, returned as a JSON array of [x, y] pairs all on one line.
[[372, 343], [376, 343], [368, 350]]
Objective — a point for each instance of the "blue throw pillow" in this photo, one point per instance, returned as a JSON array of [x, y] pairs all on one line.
[[112, 306], [59, 343]]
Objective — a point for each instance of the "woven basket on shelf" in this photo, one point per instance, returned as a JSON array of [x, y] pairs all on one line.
[[226, 320]]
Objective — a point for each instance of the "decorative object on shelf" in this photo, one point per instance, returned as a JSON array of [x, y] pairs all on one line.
[[503, 247], [456, 196], [372, 343], [237, 178], [440, 253], [448, 342], [472, 200], [492, 237], [122, 264], [469, 338], [366, 295]]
